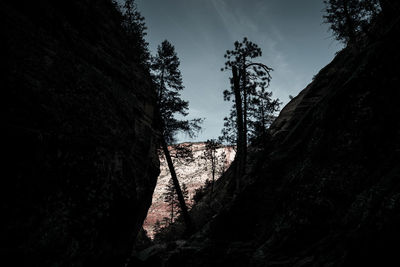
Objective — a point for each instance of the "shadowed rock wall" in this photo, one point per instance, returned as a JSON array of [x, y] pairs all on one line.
[[79, 139]]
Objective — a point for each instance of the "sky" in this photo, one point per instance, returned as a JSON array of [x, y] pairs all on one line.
[[293, 39]]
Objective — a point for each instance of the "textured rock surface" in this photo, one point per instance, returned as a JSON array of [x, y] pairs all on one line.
[[193, 173], [325, 189], [79, 140]]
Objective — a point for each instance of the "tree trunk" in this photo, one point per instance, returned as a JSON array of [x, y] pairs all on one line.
[[172, 209], [181, 199], [239, 122], [349, 24], [160, 93], [213, 166], [245, 101], [263, 123]]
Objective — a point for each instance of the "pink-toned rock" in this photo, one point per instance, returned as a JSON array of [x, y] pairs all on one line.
[[193, 174]]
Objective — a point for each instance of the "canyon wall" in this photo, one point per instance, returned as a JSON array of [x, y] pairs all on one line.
[[79, 140], [193, 173]]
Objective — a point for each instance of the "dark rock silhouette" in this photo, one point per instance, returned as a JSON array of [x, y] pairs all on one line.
[[80, 145]]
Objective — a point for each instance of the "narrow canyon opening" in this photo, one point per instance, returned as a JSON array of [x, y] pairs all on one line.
[[194, 173]]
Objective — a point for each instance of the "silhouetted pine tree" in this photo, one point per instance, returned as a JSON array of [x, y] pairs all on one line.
[[211, 155], [229, 134], [262, 111], [135, 28], [171, 198], [185, 193], [349, 18], [168, 80], [245, 75]]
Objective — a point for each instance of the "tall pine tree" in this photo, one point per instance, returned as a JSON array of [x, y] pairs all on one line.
[[170, 197], [349, 19], [135, 29], [168, 80], [214, 158], [247, 76], [262, 111]]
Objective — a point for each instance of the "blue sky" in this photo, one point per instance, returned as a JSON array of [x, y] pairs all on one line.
[[294, 41]]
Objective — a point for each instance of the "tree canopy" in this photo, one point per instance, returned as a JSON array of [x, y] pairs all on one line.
[[168, 80], [349, 19], [135, 28], [252, 106]]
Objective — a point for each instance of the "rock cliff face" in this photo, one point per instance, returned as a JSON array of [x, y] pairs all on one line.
[[79, 139], [325, 189], [193, 173]]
